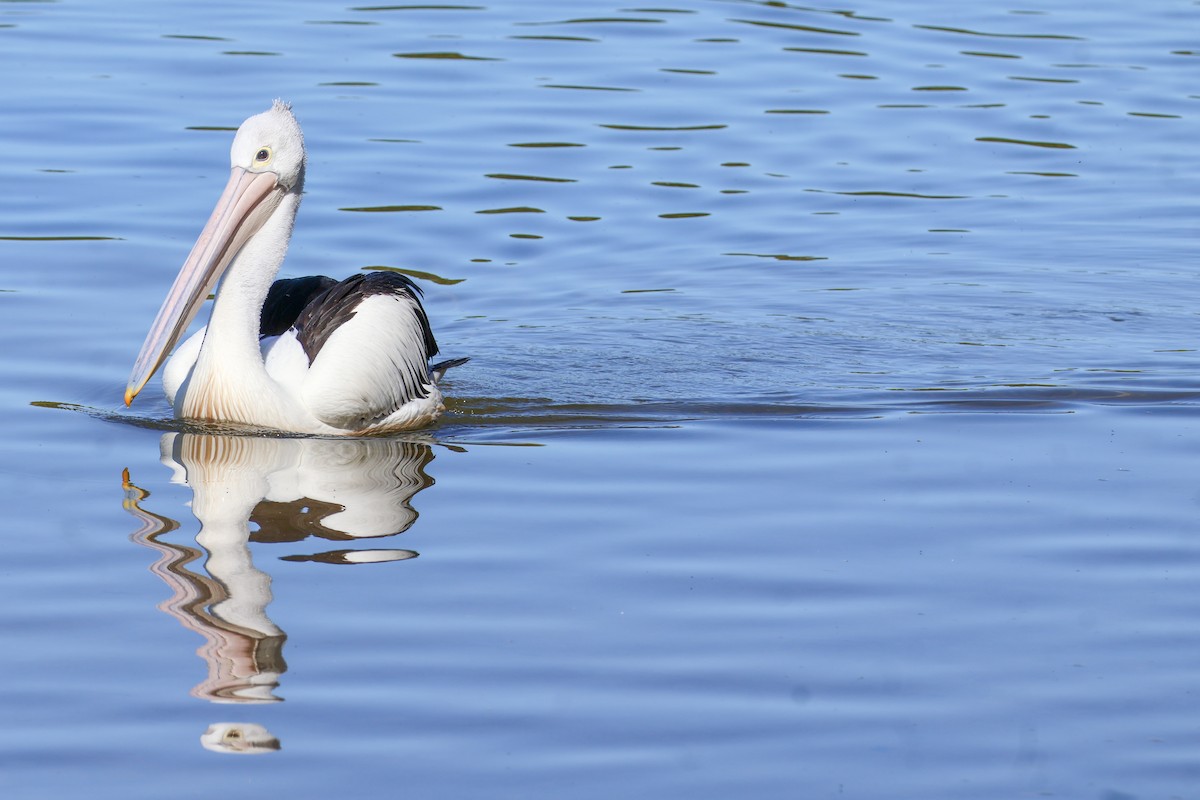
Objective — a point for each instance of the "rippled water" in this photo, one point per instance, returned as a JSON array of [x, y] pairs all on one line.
[[827, 433]]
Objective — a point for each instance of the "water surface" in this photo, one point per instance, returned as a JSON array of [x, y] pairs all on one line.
[[827, 431]]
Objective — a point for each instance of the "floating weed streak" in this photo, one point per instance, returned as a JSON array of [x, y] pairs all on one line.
[[991, 35], [793, 27], [445, 56], [823, 51], [549, 38], [416, 273], [61, 239], [1026, 142], [597, 21], [546, 144], [661, 11], [419, 8], [669, 128], [506, 176], [195, 37], [1043, 174], [884, 193], [512, 210], [778, 256], [1038, 79], [588, 88], [863, 17], [389, 209], [987, 54], [685, 215]]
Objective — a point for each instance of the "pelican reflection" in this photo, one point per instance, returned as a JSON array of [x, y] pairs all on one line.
[[285, 491], [239, 738]]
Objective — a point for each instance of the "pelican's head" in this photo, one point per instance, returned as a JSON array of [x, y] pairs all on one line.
[[267, 165], [271, 142]]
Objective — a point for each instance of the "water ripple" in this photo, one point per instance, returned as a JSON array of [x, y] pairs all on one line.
[[999, 35]]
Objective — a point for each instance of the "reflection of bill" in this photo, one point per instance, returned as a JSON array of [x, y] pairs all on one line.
[[342, 490]]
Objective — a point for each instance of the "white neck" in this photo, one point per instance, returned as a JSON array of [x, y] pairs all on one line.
[[229, 381]]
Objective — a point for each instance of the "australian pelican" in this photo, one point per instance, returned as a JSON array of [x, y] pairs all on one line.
[[306, 355]]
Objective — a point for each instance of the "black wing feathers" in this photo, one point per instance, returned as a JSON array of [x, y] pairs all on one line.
[[328, 310], [286, 299]]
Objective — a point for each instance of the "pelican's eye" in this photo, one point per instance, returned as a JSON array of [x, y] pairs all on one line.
[[262, 156]]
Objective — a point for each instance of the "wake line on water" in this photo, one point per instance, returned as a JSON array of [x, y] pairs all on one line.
[[515, 415], [523, 412]]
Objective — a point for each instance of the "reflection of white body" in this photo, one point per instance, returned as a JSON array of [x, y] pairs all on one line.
[[363, 485], [330, 358], [338, 489]]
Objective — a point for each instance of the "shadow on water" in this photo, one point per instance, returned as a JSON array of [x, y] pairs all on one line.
[[267, 490]]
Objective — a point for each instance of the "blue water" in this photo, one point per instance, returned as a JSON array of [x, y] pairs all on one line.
[[828, 430]]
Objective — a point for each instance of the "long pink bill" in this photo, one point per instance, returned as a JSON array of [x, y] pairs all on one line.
[[247, 201]]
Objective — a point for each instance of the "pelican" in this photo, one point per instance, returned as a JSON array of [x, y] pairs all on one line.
[[305, 355]]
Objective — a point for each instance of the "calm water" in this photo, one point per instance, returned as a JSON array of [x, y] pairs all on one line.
[[830, 427]]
